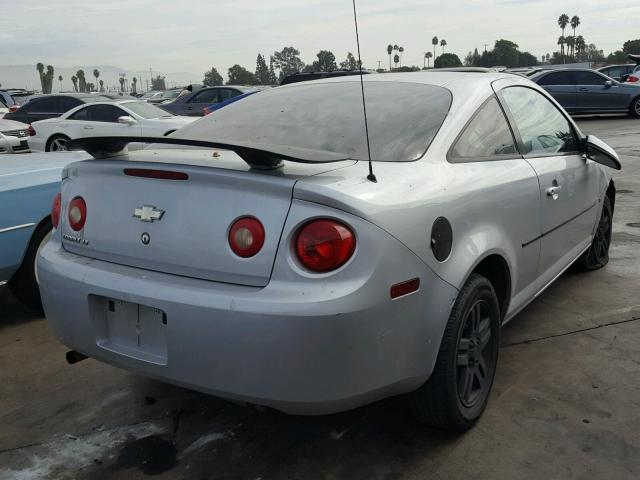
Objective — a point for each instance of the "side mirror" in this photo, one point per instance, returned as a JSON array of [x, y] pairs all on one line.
[[608, 84], [127, 120], [601, 153]]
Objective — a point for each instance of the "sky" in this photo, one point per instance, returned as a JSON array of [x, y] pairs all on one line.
[[194, 35]]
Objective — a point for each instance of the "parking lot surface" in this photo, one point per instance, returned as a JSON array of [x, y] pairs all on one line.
[[565, 402]]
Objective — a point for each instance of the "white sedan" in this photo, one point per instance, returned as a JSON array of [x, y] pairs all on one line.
[[13, 136], [130, 118]]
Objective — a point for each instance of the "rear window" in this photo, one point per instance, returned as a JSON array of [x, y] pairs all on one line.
[[403, 119]]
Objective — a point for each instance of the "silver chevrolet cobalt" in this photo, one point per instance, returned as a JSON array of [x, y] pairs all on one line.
[[253, 256]]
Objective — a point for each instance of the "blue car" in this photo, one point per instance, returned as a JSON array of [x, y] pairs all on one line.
[[217, 106], [28, 186]]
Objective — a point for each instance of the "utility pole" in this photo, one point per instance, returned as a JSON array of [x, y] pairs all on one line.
[[379, 62]]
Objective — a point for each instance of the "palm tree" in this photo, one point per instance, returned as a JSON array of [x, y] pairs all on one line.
[[561, 42], [434, 42], [396, 59], [580, 45], [135, 82], [74, 80], [389, 52], [428, 56], [570, 44], [81, 80], [401, 50], [443, 43], [60, 80], [101, 82], [563, 21], [96, 73], [575, 23], [40, 69], [121, 84]]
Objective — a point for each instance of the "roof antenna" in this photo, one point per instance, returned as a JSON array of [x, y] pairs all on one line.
[[371, 177]]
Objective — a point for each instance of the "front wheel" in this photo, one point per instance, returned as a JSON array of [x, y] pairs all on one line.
[[634, 111], [598, 254], [458, 390]]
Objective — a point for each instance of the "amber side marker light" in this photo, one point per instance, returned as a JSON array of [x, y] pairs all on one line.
[[405, 288]]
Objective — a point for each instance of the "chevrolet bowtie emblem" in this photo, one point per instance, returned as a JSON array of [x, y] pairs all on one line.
[[148, 213]]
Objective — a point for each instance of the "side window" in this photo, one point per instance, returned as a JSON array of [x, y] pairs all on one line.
[[45, 105], [543, 128], [67, 103], [82, 114], [206, 96], [588, 78], [558, 78], [227, 93], [105, 113], [486, 136]]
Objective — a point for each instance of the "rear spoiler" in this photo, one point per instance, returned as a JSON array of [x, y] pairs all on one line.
[[260, 156]]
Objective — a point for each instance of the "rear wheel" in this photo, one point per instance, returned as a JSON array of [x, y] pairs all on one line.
[[635, 108], [24, 284], [598, 254], [458, 391], [57, 143]]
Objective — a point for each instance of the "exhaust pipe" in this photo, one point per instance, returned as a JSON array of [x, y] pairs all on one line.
[[74, 357]]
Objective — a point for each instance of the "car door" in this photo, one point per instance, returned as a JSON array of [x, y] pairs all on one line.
[[568, 181], [102, 121], [562, 86], [595, 91], [201, 99]]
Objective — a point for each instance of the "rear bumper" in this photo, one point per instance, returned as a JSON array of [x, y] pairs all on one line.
[[299, 350], [14, 145]]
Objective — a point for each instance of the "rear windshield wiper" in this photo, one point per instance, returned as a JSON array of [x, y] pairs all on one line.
[[257, 155]]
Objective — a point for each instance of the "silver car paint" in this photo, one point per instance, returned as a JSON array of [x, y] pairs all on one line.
[[318, 343]]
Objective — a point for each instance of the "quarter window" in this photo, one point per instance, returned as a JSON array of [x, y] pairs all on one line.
[[543, 129], [45, 105], [486, 136]]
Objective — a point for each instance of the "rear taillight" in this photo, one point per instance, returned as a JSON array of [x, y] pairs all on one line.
[[77, 213], [206, 111], [324, 245], [246, 237], [31, 131], [55, 210], [632, 79], [14, 108]]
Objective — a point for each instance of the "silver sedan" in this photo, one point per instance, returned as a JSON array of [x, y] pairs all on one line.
[[259, 256]]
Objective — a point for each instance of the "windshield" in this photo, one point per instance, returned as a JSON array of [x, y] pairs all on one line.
[[147, 110], [403, 119], [168, 94]]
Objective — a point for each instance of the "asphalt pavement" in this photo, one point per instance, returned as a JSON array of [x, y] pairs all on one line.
[[564, 406]]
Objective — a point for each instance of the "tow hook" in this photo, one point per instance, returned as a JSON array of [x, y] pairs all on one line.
[[74, 357]]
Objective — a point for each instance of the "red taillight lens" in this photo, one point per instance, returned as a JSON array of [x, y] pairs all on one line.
[[246, 237], [632, 79], [157, 174], [206, 111], [14, 108], [324, 245], [77, 213], [55, 210], [31, 131]]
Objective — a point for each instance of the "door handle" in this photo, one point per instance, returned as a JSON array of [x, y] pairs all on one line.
[[554, 192], [584, 89], [86, 127]]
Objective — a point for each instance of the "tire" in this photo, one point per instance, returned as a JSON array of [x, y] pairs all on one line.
[[598, 254], [56, 143], [634, 111], [456, 394], [24, 284]]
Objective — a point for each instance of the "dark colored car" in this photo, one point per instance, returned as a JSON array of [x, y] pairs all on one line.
[[307, 76], [588, 91], [51, 106], [618, 72], [192, 104], [217, 106]]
